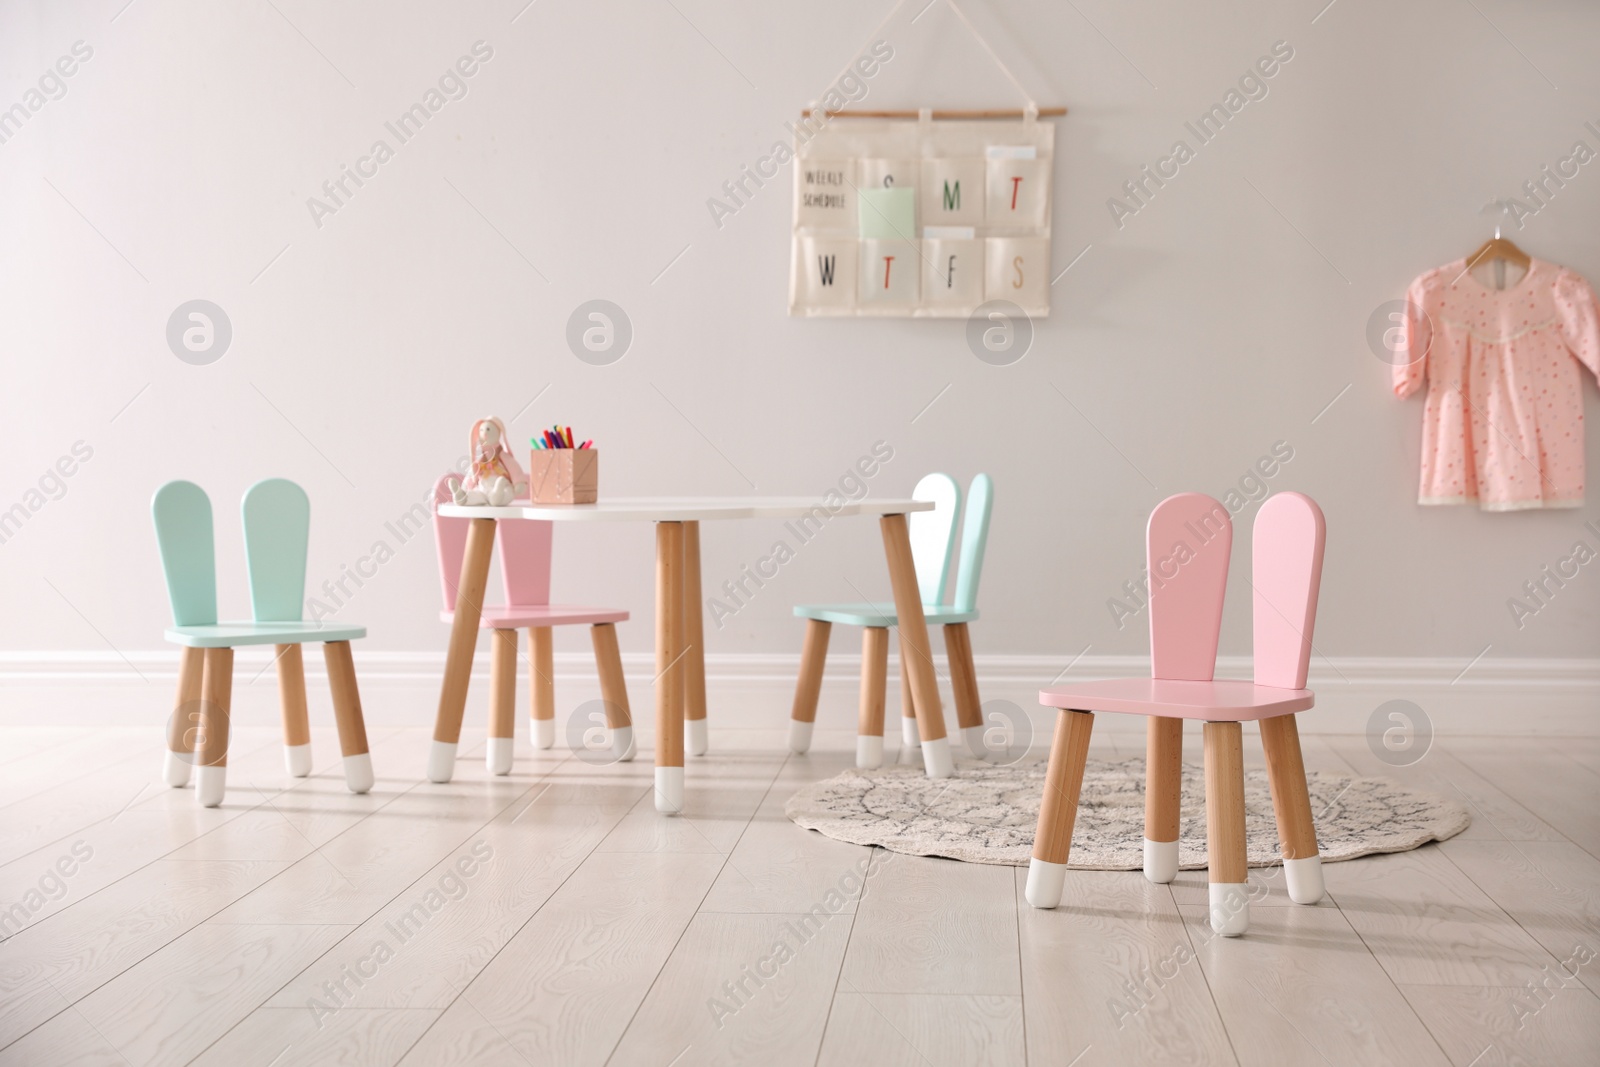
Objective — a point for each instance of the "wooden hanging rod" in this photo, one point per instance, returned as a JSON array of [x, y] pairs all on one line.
[[991, 113]]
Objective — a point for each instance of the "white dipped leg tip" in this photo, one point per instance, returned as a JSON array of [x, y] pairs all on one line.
[[1305, 879], [911, 741], [1045, 880], [297, 759], [210, 784], [869, 752], [358, 772], [800, 736], [1160, 861], [622, 743], [544, 734], [936, 758], [695, 739], [669, 790], [175, 768], [1230, 908], [973, 735], [442, 761], [497, 754]]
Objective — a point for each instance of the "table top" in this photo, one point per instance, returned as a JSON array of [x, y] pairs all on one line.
[[687, 509]]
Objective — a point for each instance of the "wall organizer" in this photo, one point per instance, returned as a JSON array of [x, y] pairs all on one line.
[[923, 213]]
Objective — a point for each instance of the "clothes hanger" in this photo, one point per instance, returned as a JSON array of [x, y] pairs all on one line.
[[1499, 250]]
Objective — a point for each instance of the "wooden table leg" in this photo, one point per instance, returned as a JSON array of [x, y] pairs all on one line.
[[874, 682], [1225, 844], [347, 716], [694, 636], [463, 645], [501, 745], [1163, 796], [292, 703], [669, 667], [216, 700], [185, 721], [915, 647]]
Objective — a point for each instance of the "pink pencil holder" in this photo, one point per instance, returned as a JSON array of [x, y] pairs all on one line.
[[564, 475]]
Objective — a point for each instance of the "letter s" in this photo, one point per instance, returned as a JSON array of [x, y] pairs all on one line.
[[482, 850], [883, 51], [483, 50], [82, 450], [82, 50], [1283, 50], [87, 852]]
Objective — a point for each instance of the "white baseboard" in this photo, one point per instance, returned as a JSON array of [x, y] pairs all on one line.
[[1483, 696]]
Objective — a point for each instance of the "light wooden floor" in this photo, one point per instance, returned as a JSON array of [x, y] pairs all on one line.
[[591, 930]]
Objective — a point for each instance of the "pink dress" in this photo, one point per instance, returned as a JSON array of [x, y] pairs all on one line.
[[1503, 421]]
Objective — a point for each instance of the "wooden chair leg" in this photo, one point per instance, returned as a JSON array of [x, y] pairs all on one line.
[[964, 680], [185, 721], [808, 687], [1163, 795], [347, 716], [874, 685], [216, 700], [292, 703], [910, 741], [501, 744], [695, 736], [1291, 801], [613, 689], [1058, 810], [1225, 847], [542, 680]]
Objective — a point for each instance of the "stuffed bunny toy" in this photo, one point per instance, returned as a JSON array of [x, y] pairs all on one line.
[[494, 478]]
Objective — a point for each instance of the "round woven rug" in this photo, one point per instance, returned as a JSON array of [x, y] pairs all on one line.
[[988, 813]]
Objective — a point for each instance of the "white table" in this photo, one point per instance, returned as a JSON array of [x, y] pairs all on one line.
[[680, 634]]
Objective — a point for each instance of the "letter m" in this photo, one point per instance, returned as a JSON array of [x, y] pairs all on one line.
[[952, 196]]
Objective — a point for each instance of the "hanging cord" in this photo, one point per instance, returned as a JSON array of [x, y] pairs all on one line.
[[1033, 105], [850, 65]]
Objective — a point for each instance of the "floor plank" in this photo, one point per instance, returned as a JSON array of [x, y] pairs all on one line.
[[1111, 972], [715, 1003], [171, 1006], [908, 1030], [1301, 988], [565, 988]]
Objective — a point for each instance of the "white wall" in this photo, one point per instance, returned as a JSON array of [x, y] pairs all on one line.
[[1220, 319]]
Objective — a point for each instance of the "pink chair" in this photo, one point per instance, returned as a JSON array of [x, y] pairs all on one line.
[[1189, 539], [525, 569]]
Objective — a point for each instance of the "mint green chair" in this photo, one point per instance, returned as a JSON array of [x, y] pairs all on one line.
[[932, 544], [277, 523]]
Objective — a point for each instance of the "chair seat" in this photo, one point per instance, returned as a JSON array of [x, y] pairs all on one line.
[[518, 617], [234, 634], [879, 614], [1212, 701]]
